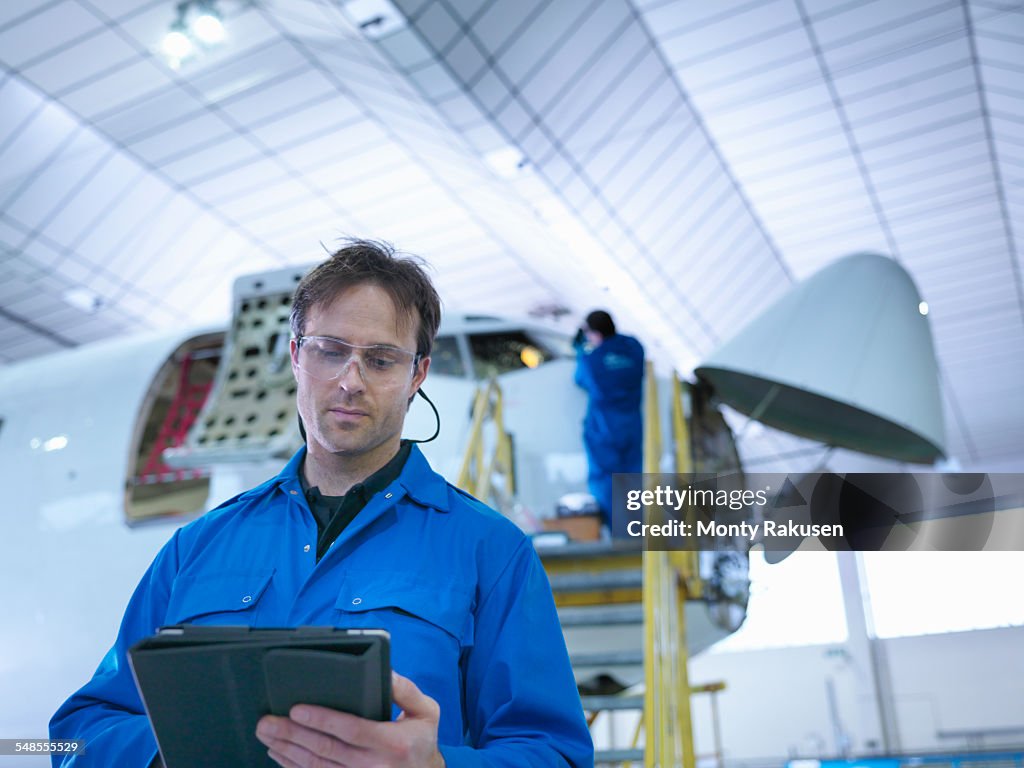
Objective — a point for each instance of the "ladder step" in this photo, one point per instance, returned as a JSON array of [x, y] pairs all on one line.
[[610, 756], [594, 703], [601, 616], [628, 658], [626, 578]]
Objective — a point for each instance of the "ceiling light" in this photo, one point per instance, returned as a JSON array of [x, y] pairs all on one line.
[[197, 26], [177, 44], [83, 299], [375, 18], [56, 443], [207, 26], [923, 307], [507, 162]]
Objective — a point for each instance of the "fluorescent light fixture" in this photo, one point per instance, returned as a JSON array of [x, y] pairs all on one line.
[[375, 18], [56, 443], [507, 162], [83, 299]]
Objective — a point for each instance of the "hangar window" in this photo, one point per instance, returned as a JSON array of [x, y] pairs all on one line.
[[796, 602], [504, 351], [920, 593]]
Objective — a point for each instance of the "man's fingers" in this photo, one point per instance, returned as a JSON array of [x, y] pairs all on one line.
[[296, 741], [280, 759], [351, 729], [314, 736], [412, 701]]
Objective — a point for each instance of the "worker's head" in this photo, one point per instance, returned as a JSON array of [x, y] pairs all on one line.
[[364, 323], [370, 262], [598, 326]]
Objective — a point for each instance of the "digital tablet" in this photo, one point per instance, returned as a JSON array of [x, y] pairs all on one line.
[[205, 687]]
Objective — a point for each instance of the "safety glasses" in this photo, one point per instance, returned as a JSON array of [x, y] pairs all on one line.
[[327, 359]]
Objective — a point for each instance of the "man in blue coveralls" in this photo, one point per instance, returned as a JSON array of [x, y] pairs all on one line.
[[358, 531], [610, 367]]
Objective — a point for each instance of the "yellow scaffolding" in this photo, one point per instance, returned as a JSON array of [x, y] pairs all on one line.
[[480, 471], [670, 579]]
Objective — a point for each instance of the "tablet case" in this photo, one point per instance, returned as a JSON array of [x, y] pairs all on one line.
[[205, 688]]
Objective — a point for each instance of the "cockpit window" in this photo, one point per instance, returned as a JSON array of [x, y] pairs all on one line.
[[504, 351], [445, 357], [557, 344]]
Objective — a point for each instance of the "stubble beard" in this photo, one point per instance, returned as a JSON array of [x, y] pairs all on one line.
[[345, 438]]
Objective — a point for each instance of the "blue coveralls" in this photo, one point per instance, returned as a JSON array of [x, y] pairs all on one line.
[[612, 374], [458, 586]]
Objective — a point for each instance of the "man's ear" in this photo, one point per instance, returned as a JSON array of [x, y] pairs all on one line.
[[293, 350], [418, 377], [421, 373]]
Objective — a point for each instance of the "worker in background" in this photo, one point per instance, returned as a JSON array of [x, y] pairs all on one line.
[[610, 367]]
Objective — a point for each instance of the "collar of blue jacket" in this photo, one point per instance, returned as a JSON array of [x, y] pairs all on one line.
[[417, 480]]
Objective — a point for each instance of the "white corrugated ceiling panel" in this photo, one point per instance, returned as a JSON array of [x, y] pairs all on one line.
[[682, 163]]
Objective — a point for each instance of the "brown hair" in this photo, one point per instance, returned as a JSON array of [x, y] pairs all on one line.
[[359, 262]]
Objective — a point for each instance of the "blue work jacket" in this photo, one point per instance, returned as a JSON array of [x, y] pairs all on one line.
[[612, 374], [458, 586]]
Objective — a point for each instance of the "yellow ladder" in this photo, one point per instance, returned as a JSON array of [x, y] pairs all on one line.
[[615, 584]]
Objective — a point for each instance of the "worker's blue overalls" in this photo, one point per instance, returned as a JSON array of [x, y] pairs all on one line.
[[612, 374]]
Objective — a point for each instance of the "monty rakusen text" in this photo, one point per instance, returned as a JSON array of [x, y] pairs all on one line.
[[672, 499]]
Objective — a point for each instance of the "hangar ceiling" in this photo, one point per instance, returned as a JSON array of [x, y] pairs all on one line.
[[682, 163]]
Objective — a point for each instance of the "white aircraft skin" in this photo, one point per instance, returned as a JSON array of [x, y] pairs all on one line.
[[69, 561]]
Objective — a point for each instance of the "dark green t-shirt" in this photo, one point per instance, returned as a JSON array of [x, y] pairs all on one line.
[[334, 513]]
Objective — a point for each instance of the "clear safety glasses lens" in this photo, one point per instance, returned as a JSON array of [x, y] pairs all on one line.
[[327, 359]]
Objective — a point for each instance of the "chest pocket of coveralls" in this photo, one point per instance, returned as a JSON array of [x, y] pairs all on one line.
[[218, 598], [431, 623]]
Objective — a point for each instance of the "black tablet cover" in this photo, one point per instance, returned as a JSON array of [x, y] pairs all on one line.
[[205, 688]]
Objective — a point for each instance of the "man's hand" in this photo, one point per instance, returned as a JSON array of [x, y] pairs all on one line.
[[316, 737]]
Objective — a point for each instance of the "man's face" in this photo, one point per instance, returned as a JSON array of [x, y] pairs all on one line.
[[349, 415]]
